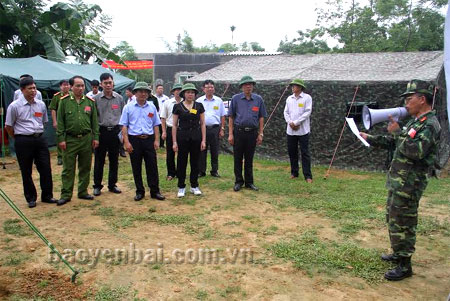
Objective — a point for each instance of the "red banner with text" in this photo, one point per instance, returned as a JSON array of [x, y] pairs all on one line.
[[130, 65]]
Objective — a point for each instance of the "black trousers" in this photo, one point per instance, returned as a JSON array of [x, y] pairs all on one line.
[[161, 140], [187, 147], [108, 143], [144, 149], [170, 154], [31, 149], [212, 143], [244, 148], [292, 144]]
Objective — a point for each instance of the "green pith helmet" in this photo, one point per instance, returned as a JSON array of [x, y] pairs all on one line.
[[246, 79], [142, 86], [176, 86], [298, 82], [418, 86], [186, 87]]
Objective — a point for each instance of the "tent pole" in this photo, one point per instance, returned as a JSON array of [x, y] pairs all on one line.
[[2, 113]]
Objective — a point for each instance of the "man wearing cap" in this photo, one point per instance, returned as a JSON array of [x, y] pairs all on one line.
[[167, 124], [296, 113], [77, 134], [64, 88], [416, 146], [245, 125], [140, 122], [215, 127], [25, 120], [109, 107]]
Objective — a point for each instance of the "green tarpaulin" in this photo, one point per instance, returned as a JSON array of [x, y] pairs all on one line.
[[47, 75]]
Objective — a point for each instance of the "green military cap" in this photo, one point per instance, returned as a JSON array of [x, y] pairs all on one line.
[[142, 86], [246, 79], [418, 86], [298, 82], [177, 86], [186, 87]]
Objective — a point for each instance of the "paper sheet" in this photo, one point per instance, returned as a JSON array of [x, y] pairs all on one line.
[[354, 128]]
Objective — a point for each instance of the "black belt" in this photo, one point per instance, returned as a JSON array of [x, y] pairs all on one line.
[[31, 135], [78, 135], [110, 128], [143, 136], [212, 126], [246, 129], [188, 129]]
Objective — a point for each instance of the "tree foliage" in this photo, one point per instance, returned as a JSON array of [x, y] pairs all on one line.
[[372, 26], [64, 29], [127, 53]]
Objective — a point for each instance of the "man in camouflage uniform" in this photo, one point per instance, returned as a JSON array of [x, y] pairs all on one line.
[[77, 134], [416, 146], [64, 90]]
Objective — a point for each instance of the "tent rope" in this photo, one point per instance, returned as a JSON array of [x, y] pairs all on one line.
[[2, 113], [226, 89], [342, 132], [271, 114], [434, 97]]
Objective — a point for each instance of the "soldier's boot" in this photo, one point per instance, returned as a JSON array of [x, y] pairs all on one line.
[[390, 257], [402, 271]]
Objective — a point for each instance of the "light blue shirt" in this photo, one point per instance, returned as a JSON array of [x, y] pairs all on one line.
[[140, 120], [214, 109], [26, 118]]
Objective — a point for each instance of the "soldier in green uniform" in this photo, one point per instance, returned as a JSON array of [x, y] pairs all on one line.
[[64, 88], [416, 146], [77, 134]]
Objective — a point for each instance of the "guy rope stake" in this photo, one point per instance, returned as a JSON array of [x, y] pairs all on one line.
[[342, 131], [38, 233], [268, 119]]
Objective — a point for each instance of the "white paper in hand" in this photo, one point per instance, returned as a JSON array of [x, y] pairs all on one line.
[[354, 128]]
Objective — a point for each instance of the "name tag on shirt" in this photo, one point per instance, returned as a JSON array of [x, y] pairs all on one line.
[[300, 105], [114, 107], [87, 108], [38, 114], [150, 115], [255, 109], [193, 111], [412, 133], [216, 107]]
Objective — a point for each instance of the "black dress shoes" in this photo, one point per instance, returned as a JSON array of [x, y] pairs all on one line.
[[138, 197], [62, 202], [252, 187], [201, 174], [31, 204], [215, 174], [97, 191], [158, 196], [237, 187], [115, 190], [50, 201], [86, 197]]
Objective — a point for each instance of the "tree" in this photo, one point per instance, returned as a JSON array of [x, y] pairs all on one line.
[[384, 25], [307, 42], [127, 53], [233, 28], [64, 29]]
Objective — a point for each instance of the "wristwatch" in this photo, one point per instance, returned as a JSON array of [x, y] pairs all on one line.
[[262, 135]]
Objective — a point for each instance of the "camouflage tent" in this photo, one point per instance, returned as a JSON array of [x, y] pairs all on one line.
[[333, 80]]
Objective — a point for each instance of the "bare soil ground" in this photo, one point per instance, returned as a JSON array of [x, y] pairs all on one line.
[[219, 220]]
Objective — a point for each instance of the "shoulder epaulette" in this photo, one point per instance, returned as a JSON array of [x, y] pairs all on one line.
[[423, 119], [65, 96], [57, 93], [90, 98]]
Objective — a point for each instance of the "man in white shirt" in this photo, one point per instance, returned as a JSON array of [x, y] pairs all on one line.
[[129, 95], [18, 92], [215, 127], [161, 100], [297, 113], [95, 86], [167, 123]]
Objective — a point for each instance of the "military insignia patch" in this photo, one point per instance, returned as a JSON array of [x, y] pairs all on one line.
[[412, 133]]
